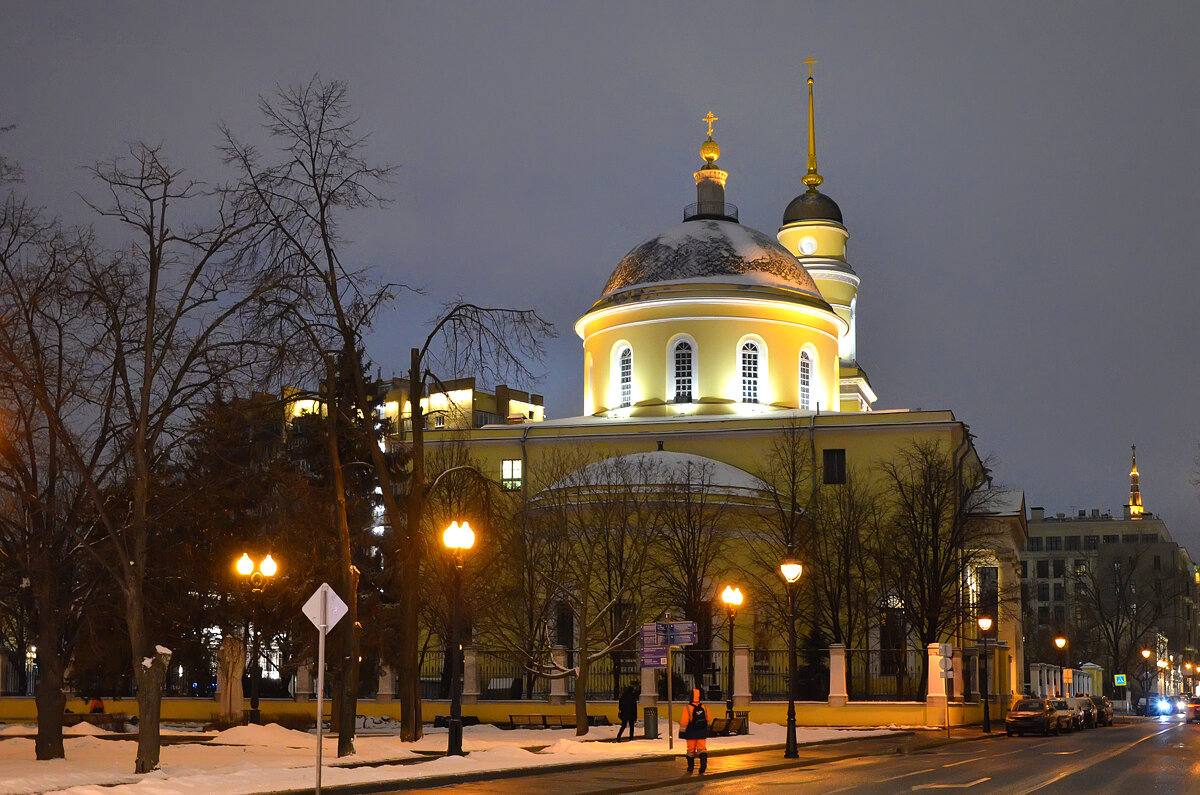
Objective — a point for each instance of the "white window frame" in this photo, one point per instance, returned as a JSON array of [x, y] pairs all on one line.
[[625, 376], [511, 476], [751, 384], [672, 368]]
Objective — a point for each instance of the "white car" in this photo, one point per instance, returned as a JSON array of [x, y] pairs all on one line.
[[1068, 716]]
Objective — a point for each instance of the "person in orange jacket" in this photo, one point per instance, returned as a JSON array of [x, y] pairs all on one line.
[[693, 727]]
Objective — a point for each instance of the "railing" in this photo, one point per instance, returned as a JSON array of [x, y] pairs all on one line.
[[503, 675], [722, 210], [885, 674], [435, 679], [769, 672], [611, 674]]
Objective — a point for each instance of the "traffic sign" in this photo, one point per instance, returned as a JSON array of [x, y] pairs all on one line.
[[653, 635], [946, 663], [654, 657], [1119, 680], [335, 608], [678, 633]]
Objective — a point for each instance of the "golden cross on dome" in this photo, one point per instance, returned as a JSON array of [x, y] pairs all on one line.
[[810, 62], [710, 118]]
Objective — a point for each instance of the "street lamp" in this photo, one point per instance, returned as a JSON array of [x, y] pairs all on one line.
[[791, 571], [732, 597], [458, 539], [1061, 643], [258, 577], [985, 625], [1146, 678]]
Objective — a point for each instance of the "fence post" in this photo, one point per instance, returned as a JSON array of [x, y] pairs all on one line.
[[935, 693], [386, 688], [741, 677], [558, 686], [304, 682], [470, 691], [837, 675], [649, 696]]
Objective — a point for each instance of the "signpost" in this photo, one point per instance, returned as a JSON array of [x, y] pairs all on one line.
[[657, 641], [324, 608], [946, 663]]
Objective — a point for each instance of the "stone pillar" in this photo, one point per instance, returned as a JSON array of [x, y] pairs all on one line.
[[649, 696], [305, 686], [935, 700], [960, 681], [741, 677], [558, 687], [470, 692], [837, 675], [386, 688]]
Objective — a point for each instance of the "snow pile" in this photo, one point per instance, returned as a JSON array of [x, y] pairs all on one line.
[[18, 728], [81, 729], [271, 734]]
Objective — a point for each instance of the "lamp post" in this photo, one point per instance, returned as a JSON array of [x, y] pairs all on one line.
[[1187, 679], [458, 539], [732, 597], [1061, 643], [791, 571], [258, 577], [1146, 678], [985, 625]]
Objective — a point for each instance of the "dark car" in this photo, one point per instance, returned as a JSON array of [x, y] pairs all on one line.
[[1031, 715], [1193, 710], [1104, 710]]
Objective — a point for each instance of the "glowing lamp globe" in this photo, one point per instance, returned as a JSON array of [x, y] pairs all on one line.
[[268, 567], [1145, 654], [791, 570], [985, 623], [459, 536], [1060, 642], [245, 565], [731, 596]]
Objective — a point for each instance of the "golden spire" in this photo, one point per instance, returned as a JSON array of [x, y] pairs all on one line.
[[709, 149], [1135, 492], [812, 179]]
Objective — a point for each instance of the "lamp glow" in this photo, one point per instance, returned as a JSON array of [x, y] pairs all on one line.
[[1145, 654], [268, 567], [459, 536], [985, 623], [791, 570], [1060, 642], [731, 596], [245, 565]]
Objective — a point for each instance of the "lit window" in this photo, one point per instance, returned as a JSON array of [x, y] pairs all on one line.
[[749, 373], [626, 375], [510, 474], [805, 380], [439, 420], [683, 372]]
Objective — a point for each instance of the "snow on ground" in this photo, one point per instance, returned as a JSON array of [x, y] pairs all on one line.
[[253, 759]]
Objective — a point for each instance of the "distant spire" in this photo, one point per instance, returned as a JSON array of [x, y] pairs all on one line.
[[812, 179], [710, 182], [1135, 492], [709, 149]]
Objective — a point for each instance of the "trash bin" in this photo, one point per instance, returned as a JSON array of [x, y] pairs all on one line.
[[650, 723]]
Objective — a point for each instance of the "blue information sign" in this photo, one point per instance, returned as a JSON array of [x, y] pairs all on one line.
[[1119, 680]]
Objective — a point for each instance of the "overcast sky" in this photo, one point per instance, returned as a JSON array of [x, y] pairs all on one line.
[[1020, 180]]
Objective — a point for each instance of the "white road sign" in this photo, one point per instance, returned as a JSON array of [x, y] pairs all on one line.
[[335, 608]]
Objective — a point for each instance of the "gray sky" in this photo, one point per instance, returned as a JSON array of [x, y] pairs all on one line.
[[1019, 180]]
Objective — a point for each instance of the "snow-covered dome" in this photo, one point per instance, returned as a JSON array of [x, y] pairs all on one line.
[[711, 250]]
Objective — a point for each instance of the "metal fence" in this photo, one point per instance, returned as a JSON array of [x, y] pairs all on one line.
[[611, 674], [885, 674], [435, 680], [503, 675]]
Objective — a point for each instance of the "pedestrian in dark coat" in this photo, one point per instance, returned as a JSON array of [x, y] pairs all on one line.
[[627, 711]]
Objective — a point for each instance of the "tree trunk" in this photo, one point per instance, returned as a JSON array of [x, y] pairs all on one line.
[[347, 704], [49, 697], [581, 720], [408, 549], [150, 672]]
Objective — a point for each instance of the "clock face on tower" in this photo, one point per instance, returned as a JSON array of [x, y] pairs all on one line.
[[808, 245]]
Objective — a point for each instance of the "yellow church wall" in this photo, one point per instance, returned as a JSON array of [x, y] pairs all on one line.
[[717, 329], [831, 238]]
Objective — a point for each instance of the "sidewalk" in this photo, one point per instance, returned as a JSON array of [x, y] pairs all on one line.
[[662, 769]]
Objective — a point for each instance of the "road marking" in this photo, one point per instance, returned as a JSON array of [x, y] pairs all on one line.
[[967, 785], [881, 780], [964, 761], [1093, 760], [1062, 753]]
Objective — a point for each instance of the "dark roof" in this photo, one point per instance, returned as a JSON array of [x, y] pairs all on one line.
[[709, 249], [812, 205]]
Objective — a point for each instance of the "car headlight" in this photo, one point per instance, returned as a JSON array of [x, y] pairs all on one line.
[[1163, 704]]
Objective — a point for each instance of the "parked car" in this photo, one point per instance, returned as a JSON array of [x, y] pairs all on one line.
[[1031, 715], [1193, 710], [1155, 704], [1068, 716], [1086, 711], [1104, 711]]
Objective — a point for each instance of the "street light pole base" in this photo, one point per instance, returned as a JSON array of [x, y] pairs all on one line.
[[454, 728], [790, 751]]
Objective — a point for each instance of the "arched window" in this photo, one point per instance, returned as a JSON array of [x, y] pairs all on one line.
[[683, 372], [806, 366], [625, 365], [749, 373]]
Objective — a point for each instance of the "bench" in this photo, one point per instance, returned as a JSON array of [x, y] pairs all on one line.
[[726, 727], [560, 721], [525, 722], [442, 721]]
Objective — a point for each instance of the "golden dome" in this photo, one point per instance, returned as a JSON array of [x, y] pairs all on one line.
[[710, 151]]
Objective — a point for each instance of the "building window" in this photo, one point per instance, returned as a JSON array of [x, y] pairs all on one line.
[[1112, 539], [683, 372], [439, 421], [1129, 538], [1060, 615], [1081, 567], [1060, 569], [835, 466], [1043, 615], [806, 381], [1053, 543], [1072, 542], [1157, 562], [1149, 538], [1091, 542], [749, 373], [1024, 569], [625, 364], [1034, 545], [1043, 592], [1060, 592], [1043, 569], [510, 474]]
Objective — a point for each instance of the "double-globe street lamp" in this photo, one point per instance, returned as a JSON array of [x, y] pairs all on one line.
[[791, 571], [732, 597], [1061, 643], [258, 577], [985, 626], [458, 538], [1146, 678]]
